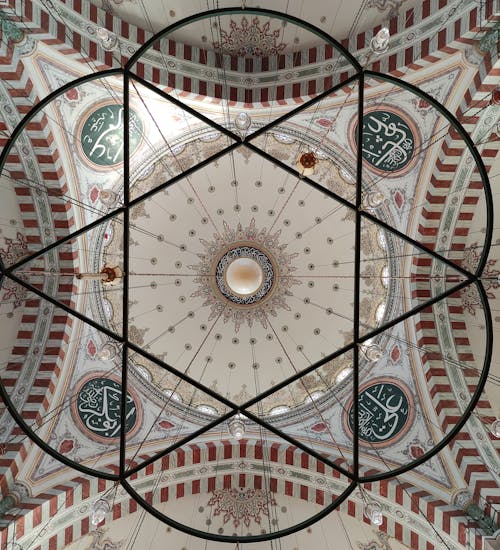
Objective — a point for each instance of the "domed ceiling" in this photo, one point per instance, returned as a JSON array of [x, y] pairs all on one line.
[[213, 295]]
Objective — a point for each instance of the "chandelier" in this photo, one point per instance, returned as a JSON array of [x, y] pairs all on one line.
[[251, 275]]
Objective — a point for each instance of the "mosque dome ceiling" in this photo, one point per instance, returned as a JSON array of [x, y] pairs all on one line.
[[295, 319]]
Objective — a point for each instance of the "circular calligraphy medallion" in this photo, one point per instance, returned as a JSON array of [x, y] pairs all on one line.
[[388, 140], [98, 406], [384, 412], [101, 135], [244, 275]]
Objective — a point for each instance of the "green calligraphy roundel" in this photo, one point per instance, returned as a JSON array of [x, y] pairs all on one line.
[[383, 411], [99, 404], [388, 141], [101, 136]]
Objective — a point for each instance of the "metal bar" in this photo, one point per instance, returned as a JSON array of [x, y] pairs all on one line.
[[67, 309], [63, 240], [184, 174], [45, 101], [296, 376], [126, 278], [305, 179], [417, 309], [357, 286], [351, 346], [416, 244], [365, 214], [240, 539]]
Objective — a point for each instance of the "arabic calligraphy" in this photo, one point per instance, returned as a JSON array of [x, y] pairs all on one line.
[[383, 411], [99, 407], [102, 134], [388, 142]]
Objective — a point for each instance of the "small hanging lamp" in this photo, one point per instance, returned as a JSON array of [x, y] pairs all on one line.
[[380, 42], [373, 511], [306, 163], [100, 510], [236, 428]]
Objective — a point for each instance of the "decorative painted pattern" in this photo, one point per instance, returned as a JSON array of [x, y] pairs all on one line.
[[14, 250], [10, 29], [470, 295], [390, 6], [475, 452], [293, 473], [416, 34], [40, 348], [464, 27], [239, 505], [250, 38]]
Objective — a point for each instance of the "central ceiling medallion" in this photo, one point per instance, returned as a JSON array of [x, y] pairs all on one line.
[[245, 275]]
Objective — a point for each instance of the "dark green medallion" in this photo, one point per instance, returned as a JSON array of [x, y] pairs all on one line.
[[383, 410], [99, 407], [388, 142], [102, 135]]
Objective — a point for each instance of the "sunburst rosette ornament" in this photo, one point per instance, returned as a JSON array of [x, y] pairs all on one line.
[[259, 252]]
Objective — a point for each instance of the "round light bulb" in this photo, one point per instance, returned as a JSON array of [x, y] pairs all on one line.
[[236, 428], [495, 427], [107, 39], [244, 276], [242, 122], [373, 511], [100, 510], [380, 42]]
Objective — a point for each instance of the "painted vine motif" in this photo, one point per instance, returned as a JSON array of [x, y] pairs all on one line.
[[471, 299], [14, 250]]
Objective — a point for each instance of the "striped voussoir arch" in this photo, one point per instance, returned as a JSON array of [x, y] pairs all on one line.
[[44, 331], [77, 37], [404, 505], [451, 163]]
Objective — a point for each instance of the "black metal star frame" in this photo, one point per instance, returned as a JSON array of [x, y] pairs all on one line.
[[352, 472]]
